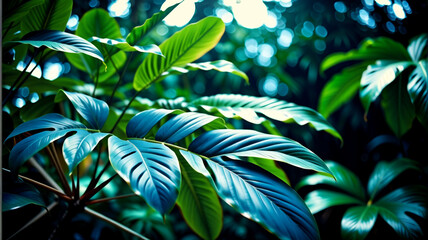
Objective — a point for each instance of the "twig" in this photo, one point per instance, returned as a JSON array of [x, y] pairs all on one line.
[[110, 198], [114, 223]]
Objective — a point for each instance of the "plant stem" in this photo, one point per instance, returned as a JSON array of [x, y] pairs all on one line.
[[109, 199], [42, 185], [7, 29], [114, 223], [45, 175], [96, 81], [120, 78], [58, 169], [33, 220], [94, 191], [124, 111]]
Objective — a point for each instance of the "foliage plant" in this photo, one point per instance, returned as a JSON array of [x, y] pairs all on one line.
[[398, 78], [399, 207], [169, 152]]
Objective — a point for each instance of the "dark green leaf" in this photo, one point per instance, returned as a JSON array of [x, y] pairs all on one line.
[[152, 170], [199, 203], [17, 194], [418, 91], [248, 143], [399, 110], [121, 44], [183, 47], [264, 199], [358, 221]]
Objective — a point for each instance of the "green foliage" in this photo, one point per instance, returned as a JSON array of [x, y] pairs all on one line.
[[359, 220]]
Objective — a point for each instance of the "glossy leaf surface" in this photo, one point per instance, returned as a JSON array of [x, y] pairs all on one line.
[[358, 221], [418, 91]]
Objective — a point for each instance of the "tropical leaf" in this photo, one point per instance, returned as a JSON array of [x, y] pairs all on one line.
[[97, 22], [199, 203], [139, 32], [140, 125], [248, 143], [248, 108], [377, 77], [399, 110], [320, 200], [51, 15], [395, 206], [15, 11], [264, 199], [219, 65], [385, 172], [340, 89], [121, 44], [183, 47], [370, 50], [358, 221], [345, 180], [16, 194], [417, 47], [272, 167], [418, 91], [152, 169], [51, 121], [77, 147], [94, 111], [29, 146], [61, 41]]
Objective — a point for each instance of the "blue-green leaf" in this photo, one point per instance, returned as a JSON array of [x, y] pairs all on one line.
[[386, 172], [18, 194], [91, 109], [418, 91], [140, 124], [248, 143], [51, 121], [417, 46], [61, 41], [358, 221], [182, 125], [78, 146], [195, 162], [29, 146], [263, 198], [152, 170], [121, 44], [320, 200]]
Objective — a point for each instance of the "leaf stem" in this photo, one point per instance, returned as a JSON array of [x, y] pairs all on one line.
[[124, 111], [52, 153], [114, 223], [7, 29], [94, 191], [96, 80], [120, 78], [101, 200]]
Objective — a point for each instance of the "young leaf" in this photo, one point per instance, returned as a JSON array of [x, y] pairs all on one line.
[[139, 32], [51, 15], [183, 47], [248, 143], [199, 203], [77, 147], [248, 108], [61, 41], [91, 109], [358, 221], [152, 170], [264, 199]]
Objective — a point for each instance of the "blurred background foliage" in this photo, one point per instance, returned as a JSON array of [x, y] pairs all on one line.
[[280, 45]]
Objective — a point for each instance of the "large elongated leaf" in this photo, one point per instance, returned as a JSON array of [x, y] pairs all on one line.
[[182, 125], [340, 89], [399, 110], [121, 44], [358, 221], [248, 108], [29, 146], [418, 91], [91, 109], [395, 206], [15, 11], [385, 172], [248, 143], [377, 77], [51, 121], [320, 200], [417, 46], [345, 180], [77, 147], [51, 15], [370, 50], [195, 162], [263, 198], [61, 41], [139, 32], [199, 203], [143, 122], [152, 170], [98, 23], [183, 47]]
